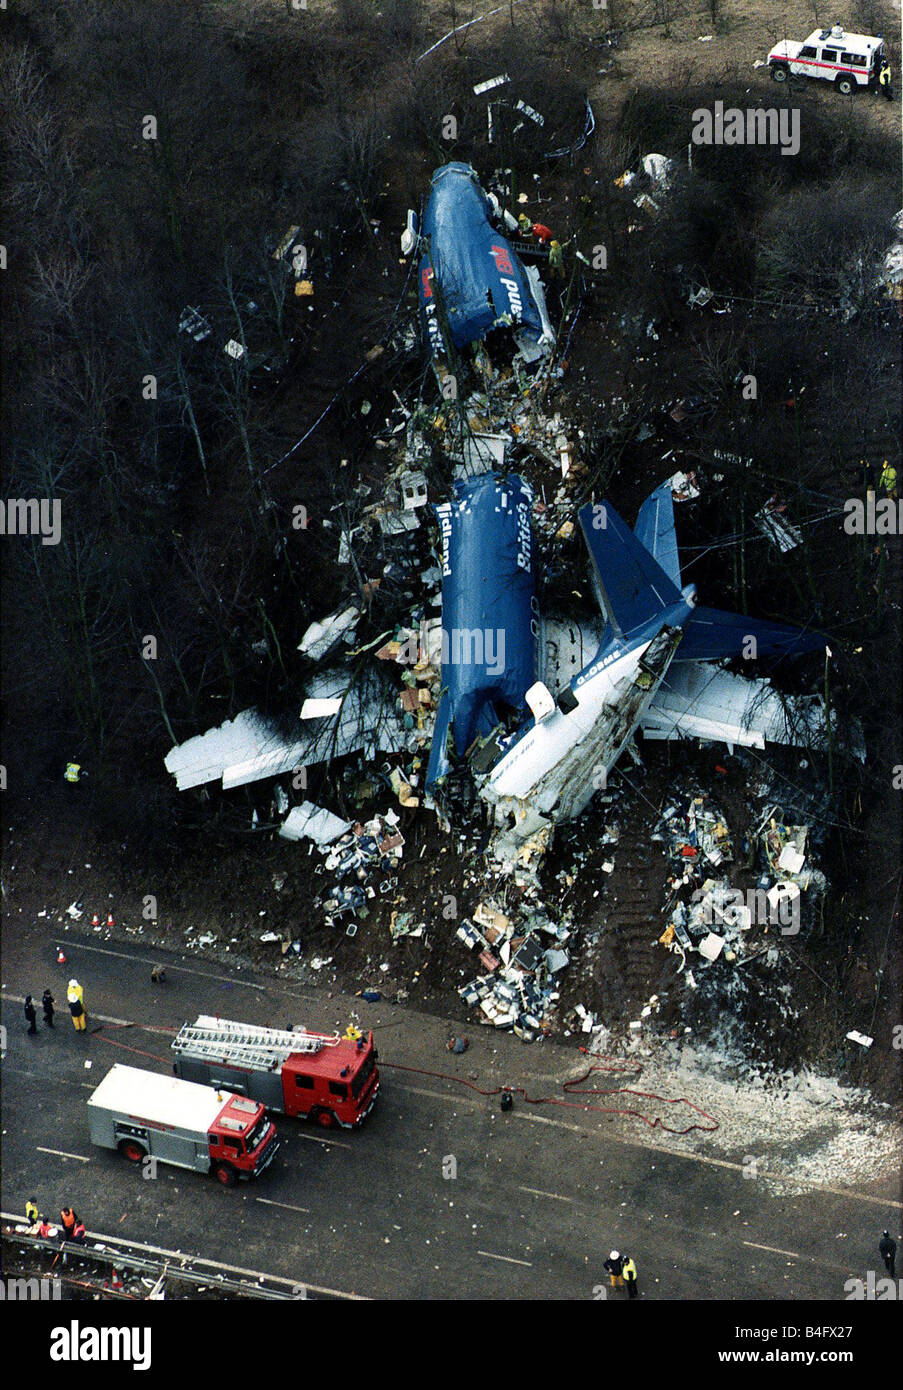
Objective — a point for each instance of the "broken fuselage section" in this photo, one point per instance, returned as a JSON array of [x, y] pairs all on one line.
[[546, 770], [471, 281]]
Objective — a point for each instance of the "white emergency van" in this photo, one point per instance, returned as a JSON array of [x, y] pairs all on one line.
[[847, 60]]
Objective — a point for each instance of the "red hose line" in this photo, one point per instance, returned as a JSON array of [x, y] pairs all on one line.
[[571, 1088]]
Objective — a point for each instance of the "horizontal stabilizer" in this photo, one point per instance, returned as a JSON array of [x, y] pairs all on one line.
[[631, 586], [655, 530], [711, 634]]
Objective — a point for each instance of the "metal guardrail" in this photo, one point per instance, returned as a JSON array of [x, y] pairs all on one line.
[[115, 1253]]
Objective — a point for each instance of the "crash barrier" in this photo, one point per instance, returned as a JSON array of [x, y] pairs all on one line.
[[121, 1255]]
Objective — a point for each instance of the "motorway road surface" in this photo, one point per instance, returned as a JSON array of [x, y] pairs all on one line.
[[537, 1201]]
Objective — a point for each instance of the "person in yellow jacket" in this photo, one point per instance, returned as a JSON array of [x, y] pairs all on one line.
[[888, 479], [628, 1269], [75, 996], [556, 259], [885, 81]]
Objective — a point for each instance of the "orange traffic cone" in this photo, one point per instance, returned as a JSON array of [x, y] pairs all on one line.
[[110, 922], [95, 920], [60, 957]]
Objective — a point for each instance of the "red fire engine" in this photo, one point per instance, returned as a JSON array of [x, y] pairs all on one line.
[[144, 1114], [327, 1079]]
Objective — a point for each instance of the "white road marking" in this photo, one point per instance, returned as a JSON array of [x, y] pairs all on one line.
[[773, 1250], [507, 1258], [60, 1153], [42, 1076], [268, 1202], [801, 1183], [315, 1139], [536, 1192], [176, 969], [100, 1018]]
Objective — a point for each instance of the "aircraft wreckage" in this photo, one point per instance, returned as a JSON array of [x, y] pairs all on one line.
[[651, 668]]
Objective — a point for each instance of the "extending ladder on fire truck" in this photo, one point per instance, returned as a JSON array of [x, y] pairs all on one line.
[[220, 1040]]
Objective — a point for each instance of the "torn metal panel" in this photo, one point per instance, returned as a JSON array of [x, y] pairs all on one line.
[[530, 112], [490, 84], [194, 324], [781, 532], [658, 168], [396, 523], [530, 347], [324, 636], [311, 822], [321, 709], [484, 453], [413, 489]]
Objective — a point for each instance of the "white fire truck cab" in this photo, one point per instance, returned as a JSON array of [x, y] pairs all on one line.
[[146, 1115], [847, 60]]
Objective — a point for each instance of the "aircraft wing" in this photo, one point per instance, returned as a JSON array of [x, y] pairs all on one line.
[[710, 634]]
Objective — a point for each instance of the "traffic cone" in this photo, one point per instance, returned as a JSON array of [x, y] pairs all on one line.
[[95, 920], [116, 1280], [110, 922], [60, 957]]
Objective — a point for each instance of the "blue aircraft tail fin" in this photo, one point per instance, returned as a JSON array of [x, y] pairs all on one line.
[[655, 530], [711, 634], [630, 584]]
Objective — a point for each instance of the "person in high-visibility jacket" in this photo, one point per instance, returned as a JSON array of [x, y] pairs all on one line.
[[32, 1215], [629, 1272], [73, 772], [888, 479], [556, 259], [885, 81], [75, 996], [524, 225]]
